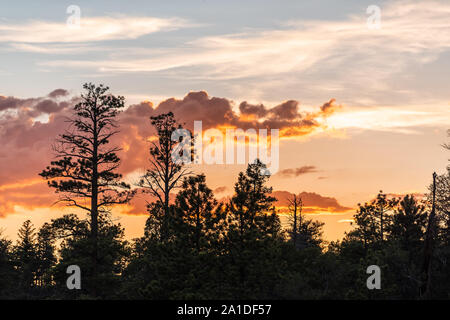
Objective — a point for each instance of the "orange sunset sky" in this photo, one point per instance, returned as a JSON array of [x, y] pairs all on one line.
[[359, 109]]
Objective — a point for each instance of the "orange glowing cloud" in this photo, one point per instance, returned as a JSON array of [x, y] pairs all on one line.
[[28, 127], [29, 194]]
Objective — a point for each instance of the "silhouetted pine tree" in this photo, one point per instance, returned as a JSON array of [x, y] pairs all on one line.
[[197, 214], [75, 249], [303, 232], [26, 258], [86, 169], [8, 274], [46, 256], [253, 234], [408, 224], [165, 174]]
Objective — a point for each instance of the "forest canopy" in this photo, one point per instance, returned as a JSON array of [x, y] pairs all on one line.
[[197, 247]]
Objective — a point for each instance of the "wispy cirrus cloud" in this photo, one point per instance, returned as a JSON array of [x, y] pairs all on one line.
[[410, 31], [92, 29], [55, 48], [402, 119]]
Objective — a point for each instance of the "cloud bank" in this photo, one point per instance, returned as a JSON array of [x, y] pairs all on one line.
[[29, 126], [312, 202]]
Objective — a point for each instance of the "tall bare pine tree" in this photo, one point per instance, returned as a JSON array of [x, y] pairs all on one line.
[[85, 171], [165, 173]]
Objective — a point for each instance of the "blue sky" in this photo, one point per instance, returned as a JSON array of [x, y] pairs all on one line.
[[205, 18], [387, 74]]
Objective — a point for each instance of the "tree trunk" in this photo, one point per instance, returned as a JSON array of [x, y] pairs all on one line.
[[294, 236], [381, 223], [197, 232], [94, 210], [428, 251]]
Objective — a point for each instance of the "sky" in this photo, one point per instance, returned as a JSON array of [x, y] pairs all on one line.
[[359, 91]]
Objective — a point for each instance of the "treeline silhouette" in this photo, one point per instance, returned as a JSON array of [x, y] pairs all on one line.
[[198, 248]]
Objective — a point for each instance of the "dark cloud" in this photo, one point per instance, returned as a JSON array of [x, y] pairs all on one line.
[[8, 103], [220, 189], [216, 112], [258, 110], [330, 107], [14, 103], [212, 111], [58, 93], [49, 106], [26, 142], [312, 202], [295, 172], [285, 111]]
